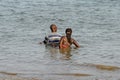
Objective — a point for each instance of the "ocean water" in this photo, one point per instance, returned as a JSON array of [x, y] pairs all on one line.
[[95, 25]]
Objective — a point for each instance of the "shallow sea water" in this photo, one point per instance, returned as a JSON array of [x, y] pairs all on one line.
[[95, 25]]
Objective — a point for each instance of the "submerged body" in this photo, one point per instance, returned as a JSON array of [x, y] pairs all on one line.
[[52, 39]]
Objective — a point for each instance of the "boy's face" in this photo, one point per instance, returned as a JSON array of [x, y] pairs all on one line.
[[54, 28]]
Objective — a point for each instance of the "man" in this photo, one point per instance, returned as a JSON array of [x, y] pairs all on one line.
[[67, 41], [53, 38]]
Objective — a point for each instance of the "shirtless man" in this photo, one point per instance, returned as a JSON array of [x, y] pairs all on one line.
[[67, 41]]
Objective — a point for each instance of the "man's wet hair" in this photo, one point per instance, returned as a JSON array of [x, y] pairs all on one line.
[[68, 30]]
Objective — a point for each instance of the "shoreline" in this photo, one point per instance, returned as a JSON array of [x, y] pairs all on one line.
[[108, 69]]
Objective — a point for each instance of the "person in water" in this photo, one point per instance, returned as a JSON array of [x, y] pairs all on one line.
[[53, 38], [67, 41]]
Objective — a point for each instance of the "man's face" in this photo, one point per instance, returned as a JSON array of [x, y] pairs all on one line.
[[68, 32]]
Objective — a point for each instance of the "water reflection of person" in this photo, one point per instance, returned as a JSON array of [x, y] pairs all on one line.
[[52, 52], [66, 53], [56, 53]]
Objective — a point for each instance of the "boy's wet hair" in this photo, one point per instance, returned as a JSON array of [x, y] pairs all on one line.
[[52, 26]]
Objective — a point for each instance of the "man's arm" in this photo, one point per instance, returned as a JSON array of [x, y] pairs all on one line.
[[75, 43]]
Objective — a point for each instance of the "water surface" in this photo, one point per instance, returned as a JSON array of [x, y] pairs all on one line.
[[96, 27]]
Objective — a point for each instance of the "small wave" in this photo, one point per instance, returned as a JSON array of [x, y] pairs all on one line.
[[17, 78], [105, 67], [72, 74], [8, 73]]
